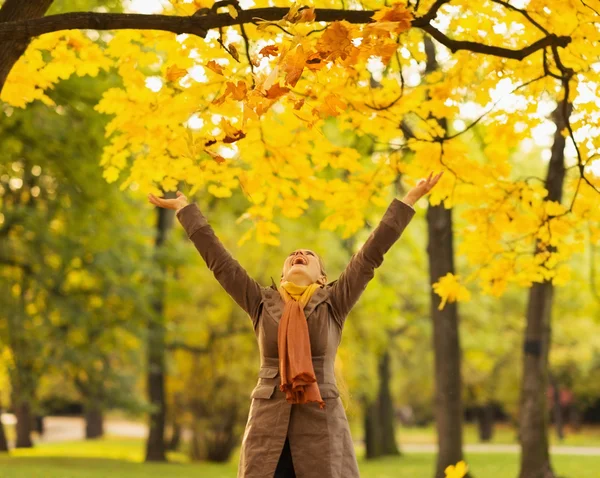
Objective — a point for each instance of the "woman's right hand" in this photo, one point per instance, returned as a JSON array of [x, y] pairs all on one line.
[[176, 203]]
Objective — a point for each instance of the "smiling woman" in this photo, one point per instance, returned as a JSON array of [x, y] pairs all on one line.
[[297, 425], [304, 267]]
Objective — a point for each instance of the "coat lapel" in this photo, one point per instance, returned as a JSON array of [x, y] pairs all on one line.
[[274, 303]]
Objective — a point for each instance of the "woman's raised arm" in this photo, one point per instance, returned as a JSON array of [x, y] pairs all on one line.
[[230, 274], [361, 268]]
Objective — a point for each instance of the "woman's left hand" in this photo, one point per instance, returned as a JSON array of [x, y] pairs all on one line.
[[423, 187]]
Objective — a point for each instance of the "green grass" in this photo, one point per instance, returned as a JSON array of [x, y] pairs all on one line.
[[116, 458]]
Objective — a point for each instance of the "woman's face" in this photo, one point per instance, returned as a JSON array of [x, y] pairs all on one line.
[[302, 267]]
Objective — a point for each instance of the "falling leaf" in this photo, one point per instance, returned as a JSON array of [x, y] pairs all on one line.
[[217, 157], [276, 91], [397, 14], [293, 66], [269, 50], [314, 61], [336, 42], [214, 66], [233, 51], [174, 73], [232, 134], [237, 91]]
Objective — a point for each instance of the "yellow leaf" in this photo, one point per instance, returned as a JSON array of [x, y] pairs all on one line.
[[232, 11]]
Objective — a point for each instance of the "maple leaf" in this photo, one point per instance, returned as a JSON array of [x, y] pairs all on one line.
[[397, 15], [330, 106], [293, 65], [269, 50], [174, 73], [336, 42], [276, 91], [237, 91], [214, 66], [315, 61]]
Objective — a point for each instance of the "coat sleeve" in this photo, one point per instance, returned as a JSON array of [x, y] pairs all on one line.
[[361, 268], [230, 274]]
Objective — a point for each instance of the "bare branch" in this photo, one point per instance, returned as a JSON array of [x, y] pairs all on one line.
[[456, 45]]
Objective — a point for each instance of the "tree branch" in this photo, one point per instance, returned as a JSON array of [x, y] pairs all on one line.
[[201, 24], [455, 45]]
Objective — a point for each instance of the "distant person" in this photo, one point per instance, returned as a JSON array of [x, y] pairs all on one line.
[[297, 425]]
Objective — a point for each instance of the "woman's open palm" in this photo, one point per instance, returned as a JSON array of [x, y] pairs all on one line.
[[176, 203], [425, 185]]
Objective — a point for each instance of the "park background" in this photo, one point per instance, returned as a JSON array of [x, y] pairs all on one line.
[[109, 316]]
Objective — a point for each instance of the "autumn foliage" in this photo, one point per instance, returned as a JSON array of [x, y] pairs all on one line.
[[246, 107]]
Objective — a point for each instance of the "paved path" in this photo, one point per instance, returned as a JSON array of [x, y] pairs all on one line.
[[497, 448], [73, 428]]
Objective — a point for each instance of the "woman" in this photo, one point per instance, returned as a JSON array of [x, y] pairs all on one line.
[[297, 426]]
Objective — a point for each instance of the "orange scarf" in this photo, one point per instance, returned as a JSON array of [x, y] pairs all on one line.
[[298, 379]]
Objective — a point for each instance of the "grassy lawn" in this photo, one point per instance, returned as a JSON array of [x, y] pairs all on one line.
[[115, 458]]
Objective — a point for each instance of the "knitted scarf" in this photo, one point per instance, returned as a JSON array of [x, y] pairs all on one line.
[[298, 379]]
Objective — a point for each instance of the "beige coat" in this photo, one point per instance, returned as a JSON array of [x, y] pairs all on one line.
[[320, 440]]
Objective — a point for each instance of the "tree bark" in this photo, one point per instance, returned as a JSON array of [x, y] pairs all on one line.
[[372, 435], [446, 342], [386, 408], [24, 423], [380, 437], [533, 432], [3, 442], [557, 410], [155, 445], [11, 50], [94, 422], [485, 422]]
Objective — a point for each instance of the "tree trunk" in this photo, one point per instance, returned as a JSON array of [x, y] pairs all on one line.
[[3, 442], [11, 51], [94, 422], [533, 432], [24, 424], [155, 446], [386, 408], [485, 422], [446, 343], [175, 437], [372, 436], [380, 438], [557, 411]]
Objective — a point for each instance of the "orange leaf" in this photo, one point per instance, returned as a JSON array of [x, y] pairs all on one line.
[[217, 157], [214, 66], [336, 42], [314, 61], [293, 66], [398, 14], [276, 91], [269, 50], [174, 73]]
